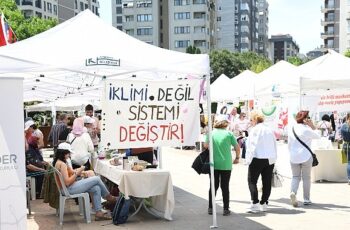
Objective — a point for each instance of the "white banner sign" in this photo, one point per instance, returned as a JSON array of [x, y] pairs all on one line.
[[150, 113], [13, 212]]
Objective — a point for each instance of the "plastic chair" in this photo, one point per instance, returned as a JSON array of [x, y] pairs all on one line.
[[84, 200], [31, 181]]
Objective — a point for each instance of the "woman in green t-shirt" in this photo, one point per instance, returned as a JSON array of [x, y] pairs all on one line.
[[222, 139]]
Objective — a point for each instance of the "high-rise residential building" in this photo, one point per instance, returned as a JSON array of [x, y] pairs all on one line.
[[59, 9], [282, 47], [263, 27], [171, 24], [336, 24], [237, 24]]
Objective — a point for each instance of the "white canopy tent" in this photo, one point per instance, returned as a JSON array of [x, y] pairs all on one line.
[[65, 104], [279, 79], [74, 58], [328, 72], [244, 85], [220, 89]]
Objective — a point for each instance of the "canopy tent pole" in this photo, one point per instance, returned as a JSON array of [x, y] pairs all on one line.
[[211, 157]]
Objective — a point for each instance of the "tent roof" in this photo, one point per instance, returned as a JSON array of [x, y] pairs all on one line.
[[330, 71], [75, 55], [244, 85], [282, 77], [220, 89]]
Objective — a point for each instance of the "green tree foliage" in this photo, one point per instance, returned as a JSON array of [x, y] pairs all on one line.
[[295, 60], [347, 53], [232, 63], [24, 28], [193, 50]]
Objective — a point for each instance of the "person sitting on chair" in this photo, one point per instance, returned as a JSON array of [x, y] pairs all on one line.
[[91, 184]]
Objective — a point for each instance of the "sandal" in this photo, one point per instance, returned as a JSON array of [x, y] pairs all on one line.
[[105, 216]]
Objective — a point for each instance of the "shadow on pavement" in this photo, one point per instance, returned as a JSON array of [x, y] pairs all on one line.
[[190, 213]]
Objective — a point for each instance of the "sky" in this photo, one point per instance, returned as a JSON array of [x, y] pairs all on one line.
[[299, 18]]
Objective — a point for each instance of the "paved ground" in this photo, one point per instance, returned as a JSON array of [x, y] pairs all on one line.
[[331, 208]]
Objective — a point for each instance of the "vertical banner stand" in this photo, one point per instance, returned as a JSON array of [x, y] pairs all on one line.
[[13, 212]]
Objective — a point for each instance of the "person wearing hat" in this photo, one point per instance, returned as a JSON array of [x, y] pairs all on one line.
[[28, 131], [222, 140], [91, 184], [81, 143]]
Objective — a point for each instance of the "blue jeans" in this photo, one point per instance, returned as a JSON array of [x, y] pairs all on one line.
[[92, 185]]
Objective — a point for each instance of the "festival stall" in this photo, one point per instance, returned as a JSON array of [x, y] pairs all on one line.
[[78, 57]]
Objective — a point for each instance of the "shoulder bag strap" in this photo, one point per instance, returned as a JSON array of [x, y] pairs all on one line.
[[73, 140], [301, 142]]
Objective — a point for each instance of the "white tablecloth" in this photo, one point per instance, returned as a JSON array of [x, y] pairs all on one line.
[[330, 167], [154, 183]]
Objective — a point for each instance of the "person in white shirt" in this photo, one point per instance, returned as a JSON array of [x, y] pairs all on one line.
[[261, 156], [300, 156], [81, 144]]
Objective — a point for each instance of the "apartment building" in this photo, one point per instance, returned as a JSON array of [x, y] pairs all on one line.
[[170, 24], [238, 24], [59, 9], [263, 27], [282, 47], [336, 25]]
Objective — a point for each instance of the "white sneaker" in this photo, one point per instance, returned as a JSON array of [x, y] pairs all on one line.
[[293, 199], [263, 207], [307, 202], [254, 208]]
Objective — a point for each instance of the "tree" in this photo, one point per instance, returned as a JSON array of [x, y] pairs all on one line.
[[295, 60], [193, 50], [23, 27], [233, 63], [347, 53]]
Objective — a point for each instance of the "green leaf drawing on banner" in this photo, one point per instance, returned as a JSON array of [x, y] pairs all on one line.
[[269, 110]]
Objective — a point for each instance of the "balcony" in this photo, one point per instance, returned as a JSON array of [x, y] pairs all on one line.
[[327, 34], [327, 8], [327, 21]]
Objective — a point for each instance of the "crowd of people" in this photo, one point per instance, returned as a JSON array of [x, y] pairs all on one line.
[[74, 141], [259, 149]]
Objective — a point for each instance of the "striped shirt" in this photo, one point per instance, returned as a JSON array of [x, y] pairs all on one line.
[[55, 132]]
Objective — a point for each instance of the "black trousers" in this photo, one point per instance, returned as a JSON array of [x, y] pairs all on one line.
[[222, 177], [256, 168], [87, 165]]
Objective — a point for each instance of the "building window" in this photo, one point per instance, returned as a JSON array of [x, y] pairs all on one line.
[[182, 15], [119, 10], [244, 18], [199, 15], [199, 1], [182, 30], [119, 19], [129, 18], [45, 7], [49, 7], [145, 31], [348, 26], [120, 28], [130, 32], [81, 6], [144, 4], [76, 4], [118, 2], [199, 29], [144, 17], [218, 19], [181, 2], [199, 43], [182, 43], [55, 9], [38, 4]]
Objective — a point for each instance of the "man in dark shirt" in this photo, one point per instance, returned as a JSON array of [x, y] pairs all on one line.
[[57, 129]]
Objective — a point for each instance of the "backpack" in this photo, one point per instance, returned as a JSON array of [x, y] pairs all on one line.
[[120, 212]]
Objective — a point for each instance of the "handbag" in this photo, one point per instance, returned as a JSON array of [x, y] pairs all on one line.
[[201, 164], [277, 179], [314, 158]]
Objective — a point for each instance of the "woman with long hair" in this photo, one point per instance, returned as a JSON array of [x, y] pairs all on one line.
[[300, 157], [92, 184]]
